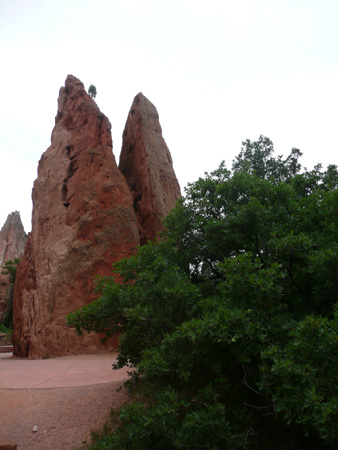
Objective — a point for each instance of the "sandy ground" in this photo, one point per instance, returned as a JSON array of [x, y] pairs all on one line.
[[64, 416]]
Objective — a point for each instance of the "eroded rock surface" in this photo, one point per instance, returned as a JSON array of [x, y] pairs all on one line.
[[12, 244], [148, 167], [12, 238], [83, 220]]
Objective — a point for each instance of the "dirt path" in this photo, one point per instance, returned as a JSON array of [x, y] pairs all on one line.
[[65, 398], [64, 416]]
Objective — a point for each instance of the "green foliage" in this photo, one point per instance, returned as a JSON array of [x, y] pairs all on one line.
[[6, 338], [155, 297], [303, 377], [230, 319], [9, 268], [92, 91]]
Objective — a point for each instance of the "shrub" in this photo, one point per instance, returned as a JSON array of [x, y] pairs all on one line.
[[229, 319]]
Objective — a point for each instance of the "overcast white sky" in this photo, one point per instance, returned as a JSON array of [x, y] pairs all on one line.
[[218, 71]]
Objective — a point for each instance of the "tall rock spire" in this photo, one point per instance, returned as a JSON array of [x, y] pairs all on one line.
[[12, 245], [83, 220], [147, 165], [12, 238]]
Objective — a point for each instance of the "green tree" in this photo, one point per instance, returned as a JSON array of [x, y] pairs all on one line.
[[92, 91], [222, 316]]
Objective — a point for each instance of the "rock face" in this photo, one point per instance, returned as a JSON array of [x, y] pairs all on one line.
[[83, 220], [147, 165], [12, 238], [12, 244]]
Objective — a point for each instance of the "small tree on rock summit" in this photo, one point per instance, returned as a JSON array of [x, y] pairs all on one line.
[[92, 91]]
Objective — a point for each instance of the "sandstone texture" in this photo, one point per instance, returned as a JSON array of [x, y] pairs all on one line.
[[85, 217], [12, 244], [146, 162], [83, 220], [12, 238]]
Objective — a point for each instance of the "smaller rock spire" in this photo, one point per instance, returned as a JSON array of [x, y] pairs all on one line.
[[146, 163], [12, 238]]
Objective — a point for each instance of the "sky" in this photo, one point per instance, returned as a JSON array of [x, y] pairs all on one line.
[[218, 71]]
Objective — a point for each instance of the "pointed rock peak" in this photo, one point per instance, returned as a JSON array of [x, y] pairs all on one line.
[[140, 100], [139, 97], [79, 114], [73, 82], [12, 238], [74, 101], [143, 110], [146, 163], [13, 217], [73, 87]]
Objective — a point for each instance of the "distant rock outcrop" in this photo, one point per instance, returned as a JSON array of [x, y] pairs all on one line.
[[83, 220], [12, 238], [12, 244], [147, 165]]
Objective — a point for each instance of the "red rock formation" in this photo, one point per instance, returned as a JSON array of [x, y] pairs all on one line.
[[12, 244], [83, 220], [147, 165], [12, 238]]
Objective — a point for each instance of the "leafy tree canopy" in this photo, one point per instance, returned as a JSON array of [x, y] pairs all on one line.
[[230, 319]]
